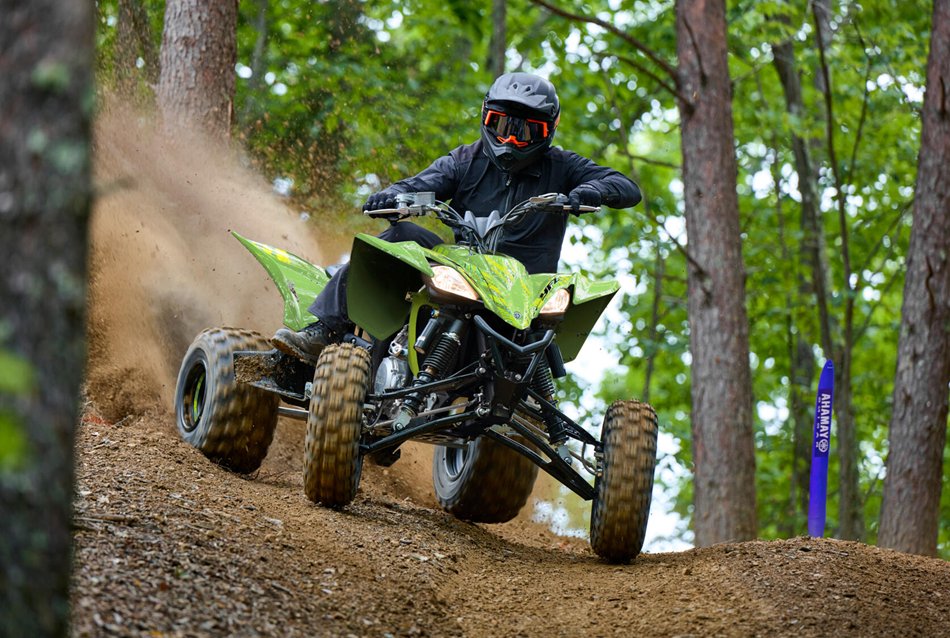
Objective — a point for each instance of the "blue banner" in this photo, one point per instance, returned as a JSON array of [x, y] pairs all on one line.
[[818, 488]]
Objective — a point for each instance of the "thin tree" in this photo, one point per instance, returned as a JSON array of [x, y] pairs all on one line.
[[199, 51], [910, 511], [721, 386], [498, 46], [134, 43], [45, 109], [814, 257], [839, 335], [850, 518]]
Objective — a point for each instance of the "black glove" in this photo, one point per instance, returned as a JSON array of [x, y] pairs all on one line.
[[584, 196], [380, 200]]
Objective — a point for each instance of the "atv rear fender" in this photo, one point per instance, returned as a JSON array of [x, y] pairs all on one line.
[[298, 281]]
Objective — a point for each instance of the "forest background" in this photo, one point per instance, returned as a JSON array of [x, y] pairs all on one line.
[[341, 98]]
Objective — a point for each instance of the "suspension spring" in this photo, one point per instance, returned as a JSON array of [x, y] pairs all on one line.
[[442, 355], [543, 380], [434, 367], [543, 384]]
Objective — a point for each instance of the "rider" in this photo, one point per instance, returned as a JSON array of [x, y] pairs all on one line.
[[513, 161]]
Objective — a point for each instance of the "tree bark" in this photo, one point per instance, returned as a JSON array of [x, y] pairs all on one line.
[[498, 47], [258, 64], [911, 506], [199, 51], [46, 98], [653, 334], [723, 446], [134, 40]]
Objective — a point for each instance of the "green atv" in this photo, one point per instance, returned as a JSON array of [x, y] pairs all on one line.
[[457, 346]]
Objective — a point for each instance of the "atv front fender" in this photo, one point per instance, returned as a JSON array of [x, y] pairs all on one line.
[[381, 274], [588, 302]]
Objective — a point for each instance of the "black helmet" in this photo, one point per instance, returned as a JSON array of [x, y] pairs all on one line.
[[519, 116]]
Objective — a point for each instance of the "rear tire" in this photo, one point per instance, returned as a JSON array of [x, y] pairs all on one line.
[[231, 423], [332, 460], [485, 482], [618, 520]]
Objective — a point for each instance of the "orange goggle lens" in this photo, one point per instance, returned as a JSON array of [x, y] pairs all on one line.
[[515, 130]]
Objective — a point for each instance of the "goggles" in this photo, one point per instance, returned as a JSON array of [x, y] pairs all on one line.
[[515, 130]]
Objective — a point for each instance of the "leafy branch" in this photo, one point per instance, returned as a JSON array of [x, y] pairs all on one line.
[[668, 68]]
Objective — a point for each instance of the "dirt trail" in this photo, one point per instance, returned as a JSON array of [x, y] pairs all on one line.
[[168, 544]]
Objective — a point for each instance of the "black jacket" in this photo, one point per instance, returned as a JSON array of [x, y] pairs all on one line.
[[473, 183]]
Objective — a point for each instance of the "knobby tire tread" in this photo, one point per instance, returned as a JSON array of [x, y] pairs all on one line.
[[494, 488], [332, 461], [239, 421], [623, 493]]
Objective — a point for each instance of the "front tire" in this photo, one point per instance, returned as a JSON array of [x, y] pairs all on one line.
[[484, 482], [230, 422], [618, 520], [332, 460]]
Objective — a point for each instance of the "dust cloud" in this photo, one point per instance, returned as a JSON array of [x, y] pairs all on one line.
[[163, 264], [164, 267]]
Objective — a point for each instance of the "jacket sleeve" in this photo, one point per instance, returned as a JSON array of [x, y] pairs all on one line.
[[615, 188], [441, 177]]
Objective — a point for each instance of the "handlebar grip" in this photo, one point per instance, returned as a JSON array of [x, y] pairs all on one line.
[[566, 208], [582, 209], [394, 213], [386, 212]]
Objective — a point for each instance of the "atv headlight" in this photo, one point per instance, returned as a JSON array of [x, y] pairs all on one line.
[[557, 304], [449, 281]]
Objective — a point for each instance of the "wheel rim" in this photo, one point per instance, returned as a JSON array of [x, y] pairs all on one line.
[[193, 398], [455, 458]]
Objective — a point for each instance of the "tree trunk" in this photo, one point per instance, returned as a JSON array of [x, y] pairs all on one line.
[[258, 64], [911, 507], [199, 51], [653, 335], [498, 47], [134, 40], [813, 236], [801, 405], [45, 99], [812, 254], [850, 501], [850, 498], [723, 446]]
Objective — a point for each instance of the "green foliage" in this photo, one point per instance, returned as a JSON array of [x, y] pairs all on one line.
[[51, 76], [16, 379], [349, 97]]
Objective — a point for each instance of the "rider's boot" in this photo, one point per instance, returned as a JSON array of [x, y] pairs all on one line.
[[306, 344]]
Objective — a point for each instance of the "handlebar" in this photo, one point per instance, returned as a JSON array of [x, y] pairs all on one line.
[[555, 202], [420, 204], [482, 232]]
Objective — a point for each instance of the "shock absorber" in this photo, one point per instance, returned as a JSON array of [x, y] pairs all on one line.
[[543, 383], [436, 364], [543, 380]]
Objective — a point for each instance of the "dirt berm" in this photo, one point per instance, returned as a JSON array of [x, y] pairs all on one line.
[[168, 544]]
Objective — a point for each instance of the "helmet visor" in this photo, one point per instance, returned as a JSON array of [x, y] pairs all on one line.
[[515, 130]]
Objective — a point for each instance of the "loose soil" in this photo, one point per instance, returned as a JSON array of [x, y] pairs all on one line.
[[169, 544]]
